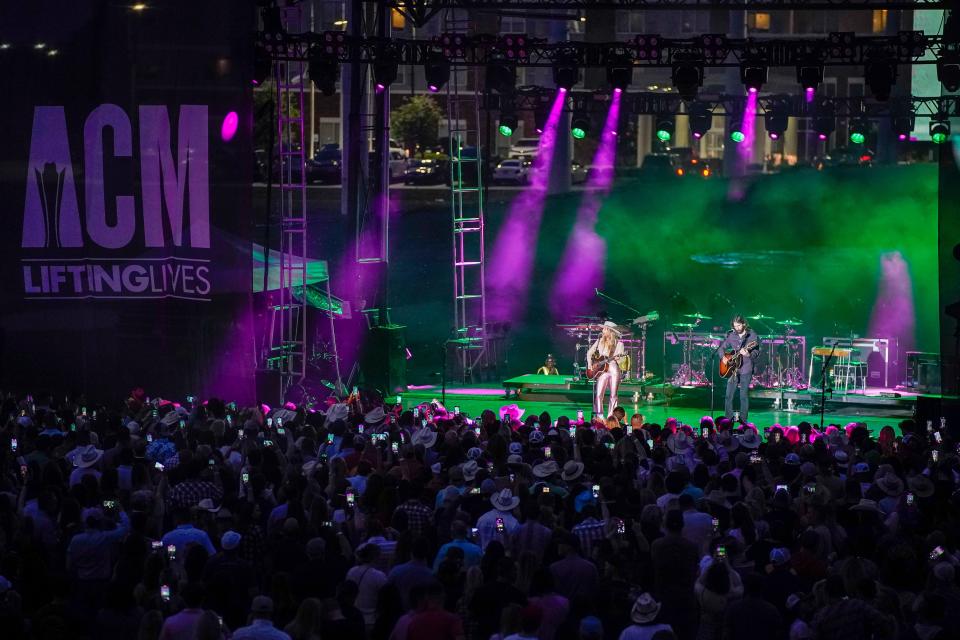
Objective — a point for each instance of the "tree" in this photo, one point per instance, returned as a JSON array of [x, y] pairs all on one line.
[[415, 123]]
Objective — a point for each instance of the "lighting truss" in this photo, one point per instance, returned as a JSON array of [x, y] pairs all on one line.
[[421, 11], [836, 49], [527, 99]]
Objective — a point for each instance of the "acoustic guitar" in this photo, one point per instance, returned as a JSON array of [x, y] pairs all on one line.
[[731, 361], [599, 366]]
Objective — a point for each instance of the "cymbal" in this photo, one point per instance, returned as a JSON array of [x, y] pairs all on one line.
[[684, 325], [790, 323], [760, 316], [698, 316]]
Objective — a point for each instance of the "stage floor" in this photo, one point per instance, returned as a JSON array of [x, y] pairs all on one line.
[[687, 405]]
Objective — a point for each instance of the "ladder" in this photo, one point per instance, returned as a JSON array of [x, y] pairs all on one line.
[[466, 191]]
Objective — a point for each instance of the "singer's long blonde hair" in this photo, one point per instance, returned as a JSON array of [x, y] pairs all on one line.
[[608, 340]]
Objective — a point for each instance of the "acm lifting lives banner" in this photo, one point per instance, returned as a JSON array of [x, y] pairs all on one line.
[[125, 166]]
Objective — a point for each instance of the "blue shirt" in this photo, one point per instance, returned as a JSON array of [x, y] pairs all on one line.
[[260, 629], [186, 534], [90, 553], [471, 553]]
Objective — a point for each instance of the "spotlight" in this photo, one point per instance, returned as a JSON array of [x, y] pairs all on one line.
[[880, 76], [565, 75], [324, 70], [579, 125], [736, 129], [540, 115], [903, 124], [701, 118], [810, 75], [508, 123], [939, 128], [262, 63], [687, 78], [948, 72], [776, 121], [501, 77], [753, 75], [824, 120], [620, 72], [664, 128], [385, 68], [859, 127], [436, 69]]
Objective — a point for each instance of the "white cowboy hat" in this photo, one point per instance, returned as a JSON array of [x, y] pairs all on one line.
[[679, 442], [337, 412], [505, 500], [87, 456], [890, 484], [749, 439], [545, 469], [613, 326], [645, 609], [374, 417], [207, 505], [866, 505], [470, 470], [425, 436]]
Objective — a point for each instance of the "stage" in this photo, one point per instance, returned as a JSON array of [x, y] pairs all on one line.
[[564, 395]]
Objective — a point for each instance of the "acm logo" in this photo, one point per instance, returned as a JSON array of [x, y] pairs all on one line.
[[52, 215]]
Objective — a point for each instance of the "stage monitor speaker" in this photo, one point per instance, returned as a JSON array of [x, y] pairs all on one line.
[[269, 387], [384, 359]]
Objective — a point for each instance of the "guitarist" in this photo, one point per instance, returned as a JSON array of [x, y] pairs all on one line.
[[608, 345], [738, 338]]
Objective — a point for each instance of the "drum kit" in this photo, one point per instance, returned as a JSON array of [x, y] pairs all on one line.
[[781, 349]]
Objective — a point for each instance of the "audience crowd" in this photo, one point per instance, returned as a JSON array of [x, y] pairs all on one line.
[[359, 520]]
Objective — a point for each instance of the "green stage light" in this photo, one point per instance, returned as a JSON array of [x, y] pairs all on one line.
[[858, 130], [579, 125], [939, 129], [506, 131], [665, 128], [508, 123], [737, 136], [578, 133], [857, 138]]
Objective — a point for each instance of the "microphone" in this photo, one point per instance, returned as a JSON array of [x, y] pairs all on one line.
[[596, 291]]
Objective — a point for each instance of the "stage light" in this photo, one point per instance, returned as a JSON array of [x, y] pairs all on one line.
[[323, 69], [859, 127], [579, 125], [776, 121], [436, 69], [903, 124], [736, 129], [880, 76], [619, 72], [824, 119], [501, 77], [687, 78], [262, 64], [664, 131], [701, 120], [753, 75], [948, 72], [810, 75], [566, 74], [508, 123], [939, 128], [385, 67]]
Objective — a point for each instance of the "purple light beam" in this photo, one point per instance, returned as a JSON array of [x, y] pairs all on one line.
[[893, 314], [584, 258], [511, 265]]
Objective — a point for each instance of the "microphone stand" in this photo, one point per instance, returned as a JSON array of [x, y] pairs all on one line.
[[601, 294], [823, 384]]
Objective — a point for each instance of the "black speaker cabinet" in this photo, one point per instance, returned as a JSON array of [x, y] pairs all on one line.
[[269, 387], [384, 360]]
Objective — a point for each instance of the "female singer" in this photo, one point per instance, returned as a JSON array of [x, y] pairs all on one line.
[[607, 345]]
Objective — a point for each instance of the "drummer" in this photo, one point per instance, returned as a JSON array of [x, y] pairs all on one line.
[[549, 367]]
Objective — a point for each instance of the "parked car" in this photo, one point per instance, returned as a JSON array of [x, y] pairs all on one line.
[[513, 170], [325, 165], [524, 148], [428, 171]]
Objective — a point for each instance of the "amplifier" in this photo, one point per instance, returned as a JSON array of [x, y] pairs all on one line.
[[923, 372]]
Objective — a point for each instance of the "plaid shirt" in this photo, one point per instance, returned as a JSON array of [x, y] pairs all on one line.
[[589, 532], [533, 537], [191, 492], [419, 516]]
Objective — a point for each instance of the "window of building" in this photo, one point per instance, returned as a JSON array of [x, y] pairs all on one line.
[[695, 22], [511, 24], [398, 22], [758, 21], [879, 20], [328, 131], [631, 22]]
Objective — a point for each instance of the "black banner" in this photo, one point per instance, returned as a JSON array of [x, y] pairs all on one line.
[[125, 174]]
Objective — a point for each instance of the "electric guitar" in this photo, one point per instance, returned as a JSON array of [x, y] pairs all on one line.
[[599, 366], [731, 361]]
